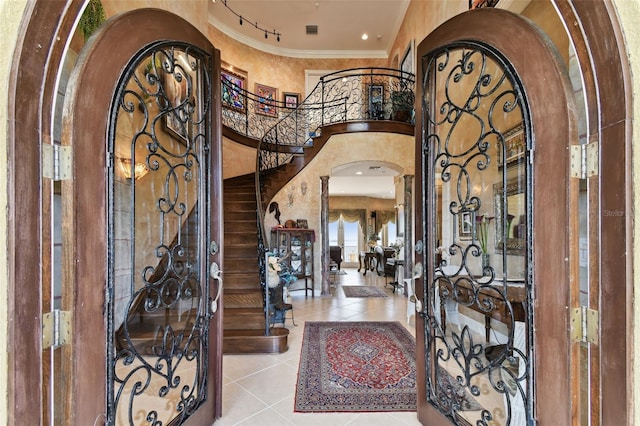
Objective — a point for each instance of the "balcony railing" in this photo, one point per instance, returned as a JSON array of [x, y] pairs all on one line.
[[357, 94]]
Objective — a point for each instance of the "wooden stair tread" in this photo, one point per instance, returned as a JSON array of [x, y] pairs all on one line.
[[249, 341]]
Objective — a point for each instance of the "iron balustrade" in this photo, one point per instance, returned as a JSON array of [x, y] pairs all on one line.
[[356, 94]]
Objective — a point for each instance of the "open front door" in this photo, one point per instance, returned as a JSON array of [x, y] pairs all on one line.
[[144, 211], [493, 224]]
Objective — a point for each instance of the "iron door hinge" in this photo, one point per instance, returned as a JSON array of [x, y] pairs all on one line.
[[56, 162], [585, 325], [584, 160], [56, 328]]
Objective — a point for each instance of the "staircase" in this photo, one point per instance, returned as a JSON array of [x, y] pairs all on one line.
[[273, 180], [244, 320]]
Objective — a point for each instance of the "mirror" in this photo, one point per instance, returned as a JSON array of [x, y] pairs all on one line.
[[512, 219]]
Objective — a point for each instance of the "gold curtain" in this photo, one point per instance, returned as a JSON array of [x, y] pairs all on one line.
[[384, 216], [350, 215]]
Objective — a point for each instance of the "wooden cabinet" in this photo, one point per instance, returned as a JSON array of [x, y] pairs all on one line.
[[295, 248]]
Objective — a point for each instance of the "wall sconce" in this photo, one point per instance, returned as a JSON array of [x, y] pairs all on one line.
[[139, 170]]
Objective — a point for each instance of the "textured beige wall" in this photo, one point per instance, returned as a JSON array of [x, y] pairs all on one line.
[[341, 149], [422, 17], [237, 159], [194, 11], [284, 73], [11, 12]]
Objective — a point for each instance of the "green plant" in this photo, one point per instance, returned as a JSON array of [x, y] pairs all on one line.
[[92, 17]]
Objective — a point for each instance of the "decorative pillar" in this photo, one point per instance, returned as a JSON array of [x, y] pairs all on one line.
[[408, 227], [324, 233]]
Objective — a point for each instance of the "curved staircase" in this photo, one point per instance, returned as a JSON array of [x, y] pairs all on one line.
[[244, 316], [284, 147]]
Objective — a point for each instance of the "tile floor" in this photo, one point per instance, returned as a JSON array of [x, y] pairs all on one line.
[[259, 389]]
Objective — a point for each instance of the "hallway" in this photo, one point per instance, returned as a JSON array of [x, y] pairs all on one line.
[[259, 389]]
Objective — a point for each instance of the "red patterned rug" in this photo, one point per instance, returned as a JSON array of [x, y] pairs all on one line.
[[356, 366]]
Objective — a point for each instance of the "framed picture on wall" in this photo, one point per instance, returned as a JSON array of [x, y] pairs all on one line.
[[376, 101], [406, 64], [234, 89], [290, 100], [465, 225], [477, 4], [514, 147], [267, 99]]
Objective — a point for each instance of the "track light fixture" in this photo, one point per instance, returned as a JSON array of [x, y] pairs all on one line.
[[255, 25]]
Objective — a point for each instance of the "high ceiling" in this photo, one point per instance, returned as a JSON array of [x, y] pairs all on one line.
[[373, 179], [340, 24]]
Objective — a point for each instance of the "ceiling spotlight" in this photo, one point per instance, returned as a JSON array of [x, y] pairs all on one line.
[[365, 36], [278, 38], [358, 173], [265, 35], [241, 20]]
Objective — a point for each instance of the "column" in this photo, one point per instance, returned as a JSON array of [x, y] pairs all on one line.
[[324, 233], [408, 227]]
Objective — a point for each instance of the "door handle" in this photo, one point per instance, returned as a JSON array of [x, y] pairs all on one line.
[[418, 271], [216, 274]]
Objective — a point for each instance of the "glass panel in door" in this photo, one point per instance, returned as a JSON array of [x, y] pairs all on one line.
[[158, 308], [478, 323]]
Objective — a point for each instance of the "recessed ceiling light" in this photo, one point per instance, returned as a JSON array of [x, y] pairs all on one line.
[[358, 173], [365, 36]]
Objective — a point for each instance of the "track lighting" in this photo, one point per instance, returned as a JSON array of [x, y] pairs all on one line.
[[255, 25]]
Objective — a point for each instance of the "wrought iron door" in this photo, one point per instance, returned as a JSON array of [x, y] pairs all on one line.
[[158, 298], [478, 283]]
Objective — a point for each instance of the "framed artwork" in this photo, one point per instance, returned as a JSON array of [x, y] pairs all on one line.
[[176, 121], [233, 89], [290, 100], [376, 101], [302, 224], [406, 64], [465, 225], [514, 147], [267, 98], [477, 4]]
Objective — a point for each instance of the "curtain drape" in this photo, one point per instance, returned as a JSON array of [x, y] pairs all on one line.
[[384, 216], [350, 215]]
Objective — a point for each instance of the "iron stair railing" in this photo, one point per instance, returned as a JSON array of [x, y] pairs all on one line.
[[356, 94]]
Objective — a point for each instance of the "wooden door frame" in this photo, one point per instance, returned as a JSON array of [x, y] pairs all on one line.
[[600, 51], [597, 36], [39, 52], [492, 27]]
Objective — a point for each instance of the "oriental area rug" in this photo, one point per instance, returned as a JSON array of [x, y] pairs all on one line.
[[363, 291], [356, 367]]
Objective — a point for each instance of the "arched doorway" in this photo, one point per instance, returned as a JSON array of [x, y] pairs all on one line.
[[570, 401], [76, 369]]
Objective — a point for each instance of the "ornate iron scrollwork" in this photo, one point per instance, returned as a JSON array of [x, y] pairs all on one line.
[[472, 98], [158, 286]]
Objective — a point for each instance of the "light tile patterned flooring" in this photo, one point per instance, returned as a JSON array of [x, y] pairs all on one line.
[[260, 389]]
